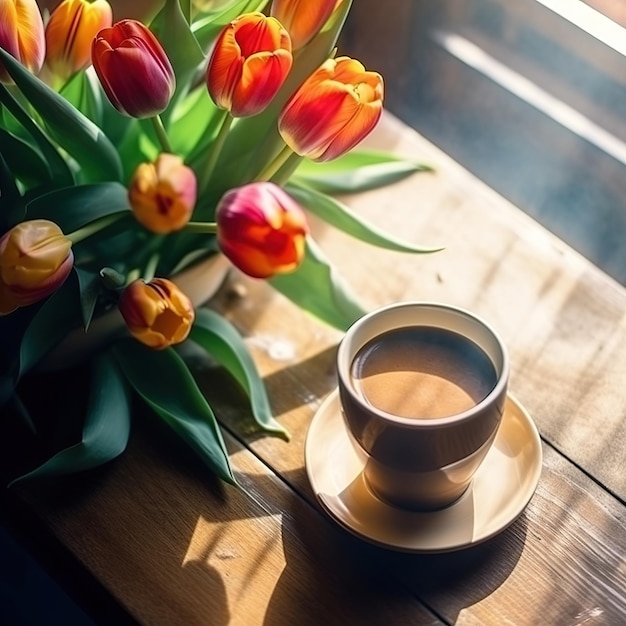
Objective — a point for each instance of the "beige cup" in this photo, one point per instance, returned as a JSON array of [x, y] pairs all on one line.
[[421, 464]]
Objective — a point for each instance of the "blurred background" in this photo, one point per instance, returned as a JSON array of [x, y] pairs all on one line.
[[528, 95]]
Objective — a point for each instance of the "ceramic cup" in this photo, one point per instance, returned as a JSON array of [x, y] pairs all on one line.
[[421, 463]]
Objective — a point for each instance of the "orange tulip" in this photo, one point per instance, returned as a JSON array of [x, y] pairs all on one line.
[[134, 70], [22, 34], [303, 19], [35, 259], [333, 110], [69, 33], [261, 229], [163, 194], [249, 64], [156, 313]]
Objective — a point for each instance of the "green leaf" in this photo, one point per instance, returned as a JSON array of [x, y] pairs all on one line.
[[25, 163], [341, 217], [11, 205], [189, 123], [222, 341], [83, 91], [54, 319], [316, 287], [356, 171], [59, 170], [89, 286], [173, 32], [73, 131], [74, 207], [106, 429], [164, 382]]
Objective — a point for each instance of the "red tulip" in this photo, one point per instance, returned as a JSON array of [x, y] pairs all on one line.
[[303, 19], [22, 34], [69, 33], [134, 70], [261, 229], [163, 194], [156, 313], [333, 110], [249, 64], [35, 259]]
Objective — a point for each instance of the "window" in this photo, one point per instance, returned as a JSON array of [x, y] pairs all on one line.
[[528, 95]]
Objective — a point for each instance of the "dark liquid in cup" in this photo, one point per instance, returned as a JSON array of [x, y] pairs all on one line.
[[423, 372]]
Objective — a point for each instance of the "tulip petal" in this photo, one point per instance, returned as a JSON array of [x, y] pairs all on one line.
[[303, 19], [22, 34]]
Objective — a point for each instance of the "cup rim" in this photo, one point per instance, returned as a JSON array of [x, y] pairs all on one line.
[[415, 423]]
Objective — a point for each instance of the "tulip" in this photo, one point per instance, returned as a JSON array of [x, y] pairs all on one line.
[[333, 110], [35, 259], [261, 229], [69, 33], [22, 34], [249, 64], [163, 194], [157, 313], [134, 70], [303, 19]]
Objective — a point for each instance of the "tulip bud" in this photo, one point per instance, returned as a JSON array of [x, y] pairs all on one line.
[[163, 194], [261, 229], [134, 70], [303, 19], [35, 259], [249, 64], [333, 110], [156, 313], [22, 34], [69, 33]]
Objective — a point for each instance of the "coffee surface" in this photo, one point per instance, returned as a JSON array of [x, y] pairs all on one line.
[[422, 372]]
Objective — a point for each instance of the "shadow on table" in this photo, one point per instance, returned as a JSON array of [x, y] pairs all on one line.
[[445, 583]]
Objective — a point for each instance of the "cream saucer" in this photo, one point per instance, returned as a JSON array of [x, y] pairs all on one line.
[[500, 490]]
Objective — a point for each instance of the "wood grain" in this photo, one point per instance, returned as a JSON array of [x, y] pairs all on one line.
[[178, 548]]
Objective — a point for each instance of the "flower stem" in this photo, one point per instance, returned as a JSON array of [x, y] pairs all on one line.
[[275, 165], [289, 166], [216, 148], [159, 129], [201, 227], [151, 266], [95, 227]]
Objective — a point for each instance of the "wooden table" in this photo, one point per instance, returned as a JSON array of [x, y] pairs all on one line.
[[172, 546]]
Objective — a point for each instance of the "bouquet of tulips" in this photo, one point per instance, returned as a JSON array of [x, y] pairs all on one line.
[[130, 151]]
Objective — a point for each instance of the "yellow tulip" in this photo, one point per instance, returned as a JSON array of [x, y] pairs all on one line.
[[22, 34], [69, 33], [157, 313], [35, 259], [163, 194], [333, 110]]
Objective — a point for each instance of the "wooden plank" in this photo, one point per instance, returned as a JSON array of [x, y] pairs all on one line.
[[561, 562], [177, 548]]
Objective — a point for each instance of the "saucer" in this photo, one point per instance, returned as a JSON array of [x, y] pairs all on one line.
[[499, 492]]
